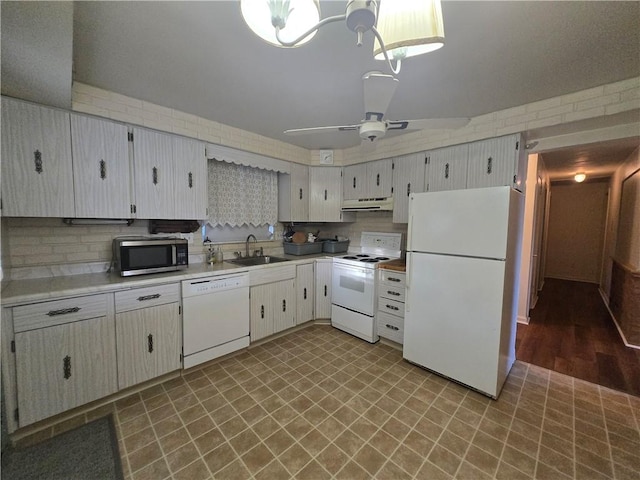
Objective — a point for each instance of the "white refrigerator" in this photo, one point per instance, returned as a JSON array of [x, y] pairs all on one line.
[[463, 262]]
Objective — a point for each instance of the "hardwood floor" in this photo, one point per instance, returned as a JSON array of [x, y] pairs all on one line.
[[570, 331]]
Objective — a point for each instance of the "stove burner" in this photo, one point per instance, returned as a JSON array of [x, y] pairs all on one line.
[[350, 257], [362, 255], [369, 260], [382, 258]]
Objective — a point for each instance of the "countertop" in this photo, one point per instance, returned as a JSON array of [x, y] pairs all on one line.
[[20, 292], [398, 265]]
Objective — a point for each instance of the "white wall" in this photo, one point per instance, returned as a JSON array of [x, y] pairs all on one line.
[[576, 230], [527, 239]]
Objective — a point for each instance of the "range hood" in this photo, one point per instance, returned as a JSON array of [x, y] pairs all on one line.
[[368, 205]]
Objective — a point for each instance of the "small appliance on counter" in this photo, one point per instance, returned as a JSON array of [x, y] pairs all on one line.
[[141, 255]]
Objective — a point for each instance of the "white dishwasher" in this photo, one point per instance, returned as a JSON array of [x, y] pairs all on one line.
[[215, 319]]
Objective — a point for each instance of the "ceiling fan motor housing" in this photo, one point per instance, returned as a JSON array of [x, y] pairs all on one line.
[[372, 130]]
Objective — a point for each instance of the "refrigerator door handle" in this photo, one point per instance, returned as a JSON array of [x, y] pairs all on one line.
[[407, 284]]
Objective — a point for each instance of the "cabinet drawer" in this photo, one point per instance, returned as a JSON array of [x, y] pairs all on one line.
[[391, 277], [57, 312], [261, 276], [147, 297], [392, 307], [391, 327], [394, 292]]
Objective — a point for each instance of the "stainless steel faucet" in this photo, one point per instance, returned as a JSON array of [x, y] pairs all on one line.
[[246, 246]]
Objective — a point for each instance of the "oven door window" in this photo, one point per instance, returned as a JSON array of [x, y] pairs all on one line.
[[354, 288]]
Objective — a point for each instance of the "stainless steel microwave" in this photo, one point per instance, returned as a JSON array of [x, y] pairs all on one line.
[[140, 255]]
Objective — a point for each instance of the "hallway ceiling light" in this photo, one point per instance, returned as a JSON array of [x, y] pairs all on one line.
[[402, 28], [579, 177]]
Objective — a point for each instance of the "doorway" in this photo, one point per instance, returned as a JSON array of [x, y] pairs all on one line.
[[570, 329]]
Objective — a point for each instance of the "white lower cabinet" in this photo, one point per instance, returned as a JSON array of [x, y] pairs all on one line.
[[148, 333], [64, 357], [390, 313], [323, 288], [272, 300], [304, 293]]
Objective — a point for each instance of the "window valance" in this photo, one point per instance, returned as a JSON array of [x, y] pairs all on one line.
[[248, 159]]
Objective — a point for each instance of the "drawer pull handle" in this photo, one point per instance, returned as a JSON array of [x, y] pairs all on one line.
[[148, 297], [103, 169], [392, 327], [390, 292], [392, 307], [190, 180], [446, 171], [63, 311], [325, 194], [305, 294], [261, 311], [150, 343], [66, 367], [325, 290], [394, 279], [300, 194], [489, 165], [378, 180], [284, 305], [154, 175]]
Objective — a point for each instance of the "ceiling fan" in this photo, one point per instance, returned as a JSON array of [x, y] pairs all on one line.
[[378, 91]]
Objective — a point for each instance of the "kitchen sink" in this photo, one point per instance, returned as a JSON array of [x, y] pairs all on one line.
[[264, 260]]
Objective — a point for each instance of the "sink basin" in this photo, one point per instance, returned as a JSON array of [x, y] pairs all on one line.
[[250, 261]]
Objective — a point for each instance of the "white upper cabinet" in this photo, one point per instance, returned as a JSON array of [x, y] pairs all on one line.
[[494, 162], [368, 180], [354, 178], [325, 194], [293, 194], [170, 176], [408, 177], [101, 170], [190, 175], [37, 168], [447, 168]]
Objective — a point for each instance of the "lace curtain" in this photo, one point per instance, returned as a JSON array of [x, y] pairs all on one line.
[[240, 195]]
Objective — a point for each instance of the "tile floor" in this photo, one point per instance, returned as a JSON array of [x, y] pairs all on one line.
[[319, 404]]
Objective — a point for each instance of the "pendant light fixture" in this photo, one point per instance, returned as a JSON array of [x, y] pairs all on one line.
[[404, 27]]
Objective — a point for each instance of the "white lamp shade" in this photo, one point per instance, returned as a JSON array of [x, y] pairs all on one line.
[[304, 15], [409, 28]]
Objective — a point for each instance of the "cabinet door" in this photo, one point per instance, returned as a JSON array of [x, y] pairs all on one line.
[[153, 174], [447, 168], [62, 367], [408, 177], [493, 162], [293, 194], [148, 342], [323, 288], [325, 185], [354, 181], [37, 176], [262, 301], [305, 293], [190, 175], [101, 173], [379, 178], [284, 307]]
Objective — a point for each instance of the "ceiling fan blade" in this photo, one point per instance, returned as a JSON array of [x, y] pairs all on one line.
[[428, 123], [378, 91], [333, 129]]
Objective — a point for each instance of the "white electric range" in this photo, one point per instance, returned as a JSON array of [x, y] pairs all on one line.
[[353, 292]]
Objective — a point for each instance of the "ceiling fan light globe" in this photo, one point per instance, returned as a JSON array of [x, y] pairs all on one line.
[[262, 17], [372, 130], [409, 28]]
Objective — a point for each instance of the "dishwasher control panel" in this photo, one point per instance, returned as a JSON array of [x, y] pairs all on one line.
[[207, 285]]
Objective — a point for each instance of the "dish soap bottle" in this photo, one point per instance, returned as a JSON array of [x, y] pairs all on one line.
[[211, 256], [218, 255]]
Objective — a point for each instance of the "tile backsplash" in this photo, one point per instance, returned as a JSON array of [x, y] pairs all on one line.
[[43, 247]]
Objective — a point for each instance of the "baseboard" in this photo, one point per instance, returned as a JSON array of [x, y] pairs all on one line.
[[572, 279], [523, 320], [605, 300]]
